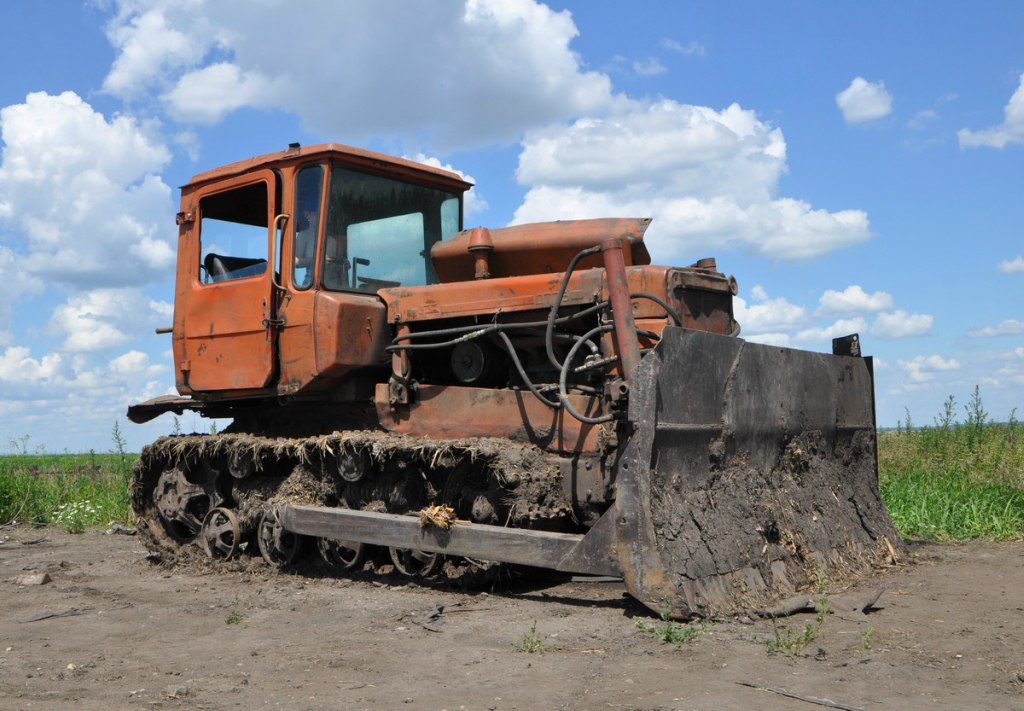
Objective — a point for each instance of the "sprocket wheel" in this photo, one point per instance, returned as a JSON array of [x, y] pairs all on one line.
[[182, 503]]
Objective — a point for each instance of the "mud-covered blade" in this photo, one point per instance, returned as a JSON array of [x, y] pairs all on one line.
[[752, 472]]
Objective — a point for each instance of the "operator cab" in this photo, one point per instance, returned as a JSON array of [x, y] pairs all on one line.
[[349, 227], [280, 259]]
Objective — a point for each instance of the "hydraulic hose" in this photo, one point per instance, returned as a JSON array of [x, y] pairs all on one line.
[[553, 314], [554, 405], [660, 302], [467, 333], [563, 393]]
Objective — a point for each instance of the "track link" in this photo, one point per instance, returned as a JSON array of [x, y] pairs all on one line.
[[180, 480]]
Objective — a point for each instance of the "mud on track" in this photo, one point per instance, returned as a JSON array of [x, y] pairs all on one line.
[[948, 636]]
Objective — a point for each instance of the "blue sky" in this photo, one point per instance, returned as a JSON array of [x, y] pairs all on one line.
[[856, 166]]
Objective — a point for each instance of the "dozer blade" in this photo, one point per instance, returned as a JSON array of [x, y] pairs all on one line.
[[752, 472]]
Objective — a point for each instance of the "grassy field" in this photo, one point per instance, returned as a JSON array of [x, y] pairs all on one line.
[[952, 480], [73, 491], [955, 480]]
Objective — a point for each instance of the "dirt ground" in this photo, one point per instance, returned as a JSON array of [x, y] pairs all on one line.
[[114, 630]]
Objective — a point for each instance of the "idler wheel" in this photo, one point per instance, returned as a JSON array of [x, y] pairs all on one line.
[[220, 533], [342, 555], [415, 563], [277, 546]]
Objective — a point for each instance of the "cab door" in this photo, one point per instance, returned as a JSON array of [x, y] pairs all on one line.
[[231, 324]]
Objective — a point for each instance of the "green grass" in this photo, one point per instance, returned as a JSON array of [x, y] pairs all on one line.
[[955, 480], [72, 491], [532, 643], [670, 631]]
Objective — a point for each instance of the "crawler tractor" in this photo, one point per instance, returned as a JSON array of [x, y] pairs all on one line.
[[539, 395]]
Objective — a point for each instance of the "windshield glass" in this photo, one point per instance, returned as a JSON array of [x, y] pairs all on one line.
[[379, 231]]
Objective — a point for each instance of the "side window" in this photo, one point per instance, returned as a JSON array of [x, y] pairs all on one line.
[[308, 189], [233, 233], [451, 211]]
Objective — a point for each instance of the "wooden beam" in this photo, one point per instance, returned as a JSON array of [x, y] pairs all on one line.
[[521, 546]]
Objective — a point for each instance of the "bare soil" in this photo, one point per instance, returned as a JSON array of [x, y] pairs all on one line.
[[114, 630]]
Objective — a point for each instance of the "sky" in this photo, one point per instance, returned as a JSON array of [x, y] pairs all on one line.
[[859, 167]]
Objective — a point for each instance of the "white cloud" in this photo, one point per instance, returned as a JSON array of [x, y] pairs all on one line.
[[207, 95], [148, 47], [922, 119], [1012, 266], [900, 324], [704, 152], [473, 202], [130, 362], [454, 74], [1009, 327], [72, 398], [690, 48], [162, 309], [709, 178], [105, 318], [923, 369], [18, 366], [82, 193], [648, 67], [768, 339], [188, 140], [85, 321], [135, 362], [11, 272], [842, 327], [864, 101], [1011, 368], [768, 315], [853, 300], [1011, 130]]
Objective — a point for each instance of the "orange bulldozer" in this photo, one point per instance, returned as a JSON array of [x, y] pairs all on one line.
[[404, 392]]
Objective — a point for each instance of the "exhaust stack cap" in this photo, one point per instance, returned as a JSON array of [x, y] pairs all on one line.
[[480, 246]]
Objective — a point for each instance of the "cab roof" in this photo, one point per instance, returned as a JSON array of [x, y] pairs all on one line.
[[347, 155]]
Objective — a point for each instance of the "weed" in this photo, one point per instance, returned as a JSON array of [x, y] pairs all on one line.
[[670, 631], [533, 643], [944, 420], [909, 425], [792, 642], [234, 617], [20, 445], [75, 516], [976, 415], [120, 450], [865, 638]]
